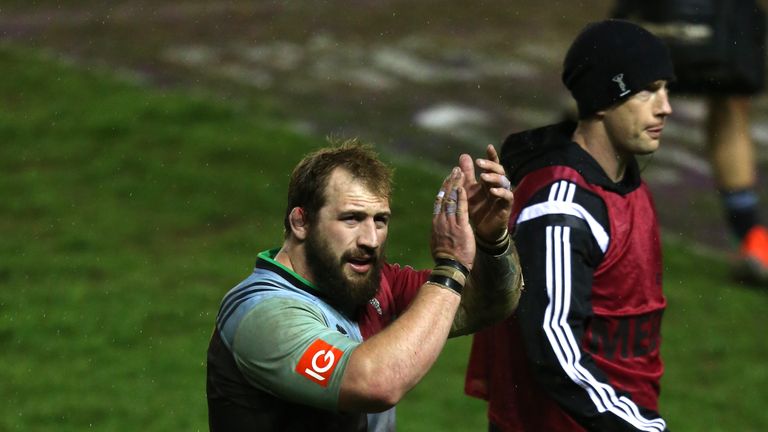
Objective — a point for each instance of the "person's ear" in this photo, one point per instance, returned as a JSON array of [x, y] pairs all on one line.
[[298, 220]]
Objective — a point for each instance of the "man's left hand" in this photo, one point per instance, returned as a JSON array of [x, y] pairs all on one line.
[[489, 196]]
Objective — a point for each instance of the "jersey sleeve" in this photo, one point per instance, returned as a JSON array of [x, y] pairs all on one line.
[[283, 346], [562, 234]]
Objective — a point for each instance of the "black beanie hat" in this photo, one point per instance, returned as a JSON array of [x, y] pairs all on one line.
[[611, 60]]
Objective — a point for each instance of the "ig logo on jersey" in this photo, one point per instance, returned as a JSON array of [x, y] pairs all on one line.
[[318, 362]]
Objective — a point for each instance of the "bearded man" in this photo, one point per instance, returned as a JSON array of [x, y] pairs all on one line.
[[327, 335]]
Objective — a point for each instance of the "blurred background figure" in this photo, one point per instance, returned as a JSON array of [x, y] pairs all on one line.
[[718, 48]]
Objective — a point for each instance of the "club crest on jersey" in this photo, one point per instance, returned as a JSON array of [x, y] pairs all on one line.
[[318, 362], [376, 305]]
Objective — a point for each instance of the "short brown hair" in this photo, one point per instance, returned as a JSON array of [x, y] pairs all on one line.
[[310, 177]]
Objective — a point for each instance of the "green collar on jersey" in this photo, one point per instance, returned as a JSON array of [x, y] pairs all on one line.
[[269, 256]]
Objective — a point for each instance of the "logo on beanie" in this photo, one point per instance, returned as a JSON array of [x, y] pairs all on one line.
[[619, 79]]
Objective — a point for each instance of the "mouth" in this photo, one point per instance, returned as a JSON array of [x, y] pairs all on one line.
[[655, 131], [361, 264]]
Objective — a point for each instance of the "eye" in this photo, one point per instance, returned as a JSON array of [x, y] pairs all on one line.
[[381, 221], [350, 218]]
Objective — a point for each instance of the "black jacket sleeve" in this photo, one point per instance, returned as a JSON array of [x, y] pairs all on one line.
[[560, 244]]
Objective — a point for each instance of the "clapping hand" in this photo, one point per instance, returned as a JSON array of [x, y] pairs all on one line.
[[489, 195]]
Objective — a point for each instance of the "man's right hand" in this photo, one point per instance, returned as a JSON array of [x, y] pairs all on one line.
[[452, 235]]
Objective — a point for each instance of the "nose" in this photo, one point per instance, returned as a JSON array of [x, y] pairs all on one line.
[[369, 235], [663, 107]]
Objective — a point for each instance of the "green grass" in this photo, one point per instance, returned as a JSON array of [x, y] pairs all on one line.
[[126, 213]]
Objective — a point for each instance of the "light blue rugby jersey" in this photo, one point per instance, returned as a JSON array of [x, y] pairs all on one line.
[[275, 296]]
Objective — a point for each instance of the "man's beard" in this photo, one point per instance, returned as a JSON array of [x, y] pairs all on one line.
[[344, 292]]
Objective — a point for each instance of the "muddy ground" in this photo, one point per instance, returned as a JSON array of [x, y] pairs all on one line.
[[426, 79]]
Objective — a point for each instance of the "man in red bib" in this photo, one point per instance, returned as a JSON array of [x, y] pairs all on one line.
[[582, 350]]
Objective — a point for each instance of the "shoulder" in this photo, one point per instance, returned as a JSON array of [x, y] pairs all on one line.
[[285, 308], [558, 190], [282, 326], [558, 196], [278, 320]]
